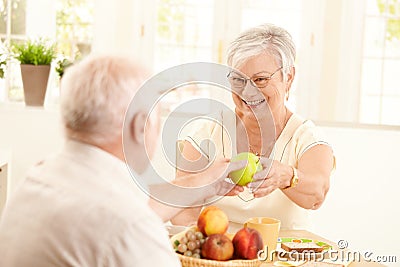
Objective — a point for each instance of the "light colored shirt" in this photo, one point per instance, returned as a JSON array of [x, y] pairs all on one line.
[[297, 137], [82, 208]]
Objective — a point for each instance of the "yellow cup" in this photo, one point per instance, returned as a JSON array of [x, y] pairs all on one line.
[[269, 230]]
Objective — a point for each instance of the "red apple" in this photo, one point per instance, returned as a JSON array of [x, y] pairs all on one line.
[[217, 247], [212, 220], [247, 242]]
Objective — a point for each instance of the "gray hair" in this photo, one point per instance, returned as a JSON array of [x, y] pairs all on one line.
[[95, 94], [263, 38]]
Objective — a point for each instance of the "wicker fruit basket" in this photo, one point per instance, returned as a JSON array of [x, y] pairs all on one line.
[[194, 262]]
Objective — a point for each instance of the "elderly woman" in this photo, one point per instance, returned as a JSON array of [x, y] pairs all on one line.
[[298, 165]]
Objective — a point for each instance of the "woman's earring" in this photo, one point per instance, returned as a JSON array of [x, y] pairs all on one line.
[[287, 95]]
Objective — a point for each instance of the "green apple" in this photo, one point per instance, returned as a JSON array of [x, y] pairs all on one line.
[[244, 176]]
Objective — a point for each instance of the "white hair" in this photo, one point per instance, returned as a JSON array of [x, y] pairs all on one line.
[[95, 94], [260, 39]]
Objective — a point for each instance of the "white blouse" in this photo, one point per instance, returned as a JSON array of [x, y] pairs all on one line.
[[297, 137]]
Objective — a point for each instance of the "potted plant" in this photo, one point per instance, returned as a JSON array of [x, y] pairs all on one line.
[[61, 64], [3, 59], [35, 57], [3, 65]]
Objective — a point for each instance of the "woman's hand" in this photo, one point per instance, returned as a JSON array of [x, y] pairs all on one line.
[[313, 171], [274, 175]]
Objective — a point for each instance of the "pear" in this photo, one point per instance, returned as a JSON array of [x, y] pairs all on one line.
[[245, 175]]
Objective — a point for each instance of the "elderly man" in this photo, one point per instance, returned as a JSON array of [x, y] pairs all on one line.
[[80, 207]]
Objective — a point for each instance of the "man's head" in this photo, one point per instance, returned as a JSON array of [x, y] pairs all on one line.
[[95, 95]]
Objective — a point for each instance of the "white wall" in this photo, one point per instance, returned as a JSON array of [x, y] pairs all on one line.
[[28, 134], [109, 36], [41, 18], [361, 206], [123, 27]]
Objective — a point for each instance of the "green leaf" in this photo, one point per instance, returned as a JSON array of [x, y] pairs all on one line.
[[323, 245], [35, 52]]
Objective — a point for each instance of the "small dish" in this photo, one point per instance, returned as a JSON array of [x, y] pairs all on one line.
[[304, 255]]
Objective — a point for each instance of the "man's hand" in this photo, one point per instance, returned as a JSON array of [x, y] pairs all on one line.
[[215, 174]]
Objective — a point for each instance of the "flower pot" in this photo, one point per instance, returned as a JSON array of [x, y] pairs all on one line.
[[34, 80]]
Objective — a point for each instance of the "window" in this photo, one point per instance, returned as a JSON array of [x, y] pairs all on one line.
[[190, 30], [380, 90], [70, 26], [171, 32], [12, 22], [184, 33], [12, 28], [283, 13], [74, 27]]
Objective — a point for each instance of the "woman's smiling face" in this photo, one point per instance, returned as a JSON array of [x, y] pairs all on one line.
[[253, 99]]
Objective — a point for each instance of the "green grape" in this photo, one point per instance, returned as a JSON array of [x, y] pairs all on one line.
[[188, 253], [183, 240], [189, 233], [197, 251], [196, 255], [191, 245], [192, 237], [199, 235], [198, 243], [182, 248]]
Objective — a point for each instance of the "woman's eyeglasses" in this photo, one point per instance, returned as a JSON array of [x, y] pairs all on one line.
[[239, 82]]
